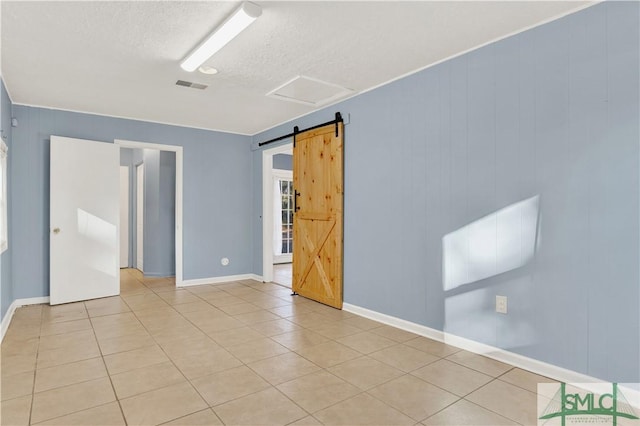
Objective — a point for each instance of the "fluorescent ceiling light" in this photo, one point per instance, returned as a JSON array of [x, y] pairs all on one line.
[[241, 19]]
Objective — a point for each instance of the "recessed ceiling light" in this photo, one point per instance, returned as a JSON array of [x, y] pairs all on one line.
[[205, 69]]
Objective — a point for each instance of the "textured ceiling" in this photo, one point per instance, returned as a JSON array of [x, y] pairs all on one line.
[[122, 58]]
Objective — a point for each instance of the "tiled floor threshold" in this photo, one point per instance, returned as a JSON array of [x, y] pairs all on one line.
[[241, 353]]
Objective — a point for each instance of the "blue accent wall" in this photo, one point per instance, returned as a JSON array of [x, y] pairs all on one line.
[[159, 213], [137, 157], [6, 284], [217, 195], [552, 112], [126, 155], [283, 162]]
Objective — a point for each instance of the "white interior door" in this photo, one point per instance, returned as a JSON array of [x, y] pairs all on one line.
[[140, 217], [124, 216], [84, 220]]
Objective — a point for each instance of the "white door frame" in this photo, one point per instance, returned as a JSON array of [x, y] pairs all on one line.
[[179, 171], [124, 216], [140, 217], [267, 207]]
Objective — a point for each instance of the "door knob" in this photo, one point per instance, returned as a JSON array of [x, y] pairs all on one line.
[[56, 230]]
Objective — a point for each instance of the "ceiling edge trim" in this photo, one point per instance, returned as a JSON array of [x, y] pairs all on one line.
[[131, 118], [433, 64]]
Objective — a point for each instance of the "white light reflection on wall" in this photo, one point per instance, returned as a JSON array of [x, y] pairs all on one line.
[[497, 243], [100, 248]]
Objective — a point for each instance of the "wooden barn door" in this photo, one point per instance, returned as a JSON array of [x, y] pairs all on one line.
[[317, 221]]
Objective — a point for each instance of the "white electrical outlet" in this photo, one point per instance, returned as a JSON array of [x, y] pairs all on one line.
[[501, 304], [224, 261]]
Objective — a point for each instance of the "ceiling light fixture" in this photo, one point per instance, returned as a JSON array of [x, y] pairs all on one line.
[[205, 69], [234, 25]]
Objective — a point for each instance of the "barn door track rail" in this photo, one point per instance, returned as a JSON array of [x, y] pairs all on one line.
[[296, 130]]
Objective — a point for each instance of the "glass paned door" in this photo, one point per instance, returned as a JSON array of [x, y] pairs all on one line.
[[286, 191]]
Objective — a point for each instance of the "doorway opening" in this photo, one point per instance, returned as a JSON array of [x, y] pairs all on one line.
[[150, 219], [153, 207], [278, 208]]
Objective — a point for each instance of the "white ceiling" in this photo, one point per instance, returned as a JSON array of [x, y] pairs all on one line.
[[122, 58]]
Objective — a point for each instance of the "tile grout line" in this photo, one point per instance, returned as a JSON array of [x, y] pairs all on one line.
[[272, 386], [460, 398], [209, 337], [487, 408], [104, 363], [169, 358], [35, 369], [416, 377], [66, 363]]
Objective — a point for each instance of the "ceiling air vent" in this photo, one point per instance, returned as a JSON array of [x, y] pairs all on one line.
[[191, 84]]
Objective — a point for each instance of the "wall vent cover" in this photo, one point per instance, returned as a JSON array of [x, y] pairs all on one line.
[[309, 91], [191, 84]]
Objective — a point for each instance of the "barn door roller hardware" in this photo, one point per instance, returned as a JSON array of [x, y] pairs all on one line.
[[335, 121]]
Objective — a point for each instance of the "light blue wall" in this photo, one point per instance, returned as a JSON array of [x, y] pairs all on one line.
[[125, 161], [217, 191], [137, 158], [283, 161], [551, 112], [6, 286], [130, 157], [159, 213]]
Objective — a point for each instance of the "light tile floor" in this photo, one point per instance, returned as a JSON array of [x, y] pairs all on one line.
[[241, 353], [282, 274]]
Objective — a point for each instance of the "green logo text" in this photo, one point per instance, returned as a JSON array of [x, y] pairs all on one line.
[[565, 405]]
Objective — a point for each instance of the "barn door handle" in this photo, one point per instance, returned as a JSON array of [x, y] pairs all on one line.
[[295, 201]]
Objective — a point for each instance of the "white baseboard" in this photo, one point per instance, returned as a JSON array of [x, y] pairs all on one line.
[[6, 321], [158, 275], [517, 360], [220, 280], [256, 277], [395, 322]]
